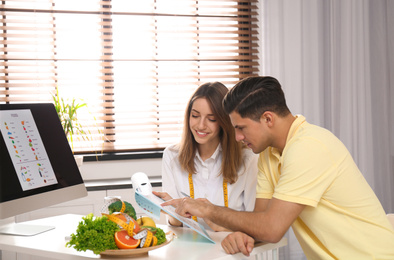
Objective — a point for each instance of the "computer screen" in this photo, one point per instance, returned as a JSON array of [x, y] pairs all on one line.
[[37, 166]]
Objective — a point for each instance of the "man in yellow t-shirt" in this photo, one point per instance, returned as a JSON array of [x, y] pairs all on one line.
[[343, 219], [307, 179]]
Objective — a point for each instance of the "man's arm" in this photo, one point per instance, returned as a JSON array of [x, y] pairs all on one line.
[[268, 225], [261, 205]]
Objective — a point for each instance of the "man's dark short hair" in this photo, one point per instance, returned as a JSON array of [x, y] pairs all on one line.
[[253, 96]]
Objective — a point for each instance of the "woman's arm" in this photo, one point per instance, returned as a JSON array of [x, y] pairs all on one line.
[[250, 171], [168, 182]]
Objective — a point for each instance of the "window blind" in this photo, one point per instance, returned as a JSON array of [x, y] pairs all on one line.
[[134, 63]]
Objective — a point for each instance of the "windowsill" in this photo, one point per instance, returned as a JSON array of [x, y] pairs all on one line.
[[122, 156], [115, 184]]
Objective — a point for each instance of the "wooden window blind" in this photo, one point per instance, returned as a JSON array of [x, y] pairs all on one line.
[[134, 63]]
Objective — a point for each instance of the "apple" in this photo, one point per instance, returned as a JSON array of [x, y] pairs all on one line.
[[146, 221]]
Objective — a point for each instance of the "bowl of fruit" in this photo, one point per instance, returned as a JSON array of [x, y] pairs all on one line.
[[118, 232]]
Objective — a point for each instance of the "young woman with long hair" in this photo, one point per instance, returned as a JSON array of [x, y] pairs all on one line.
[[208, 162]]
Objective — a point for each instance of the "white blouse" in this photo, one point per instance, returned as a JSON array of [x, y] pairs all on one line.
[[207, 182]]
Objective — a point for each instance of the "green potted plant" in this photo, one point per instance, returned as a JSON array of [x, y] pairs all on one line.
[[67, 112]]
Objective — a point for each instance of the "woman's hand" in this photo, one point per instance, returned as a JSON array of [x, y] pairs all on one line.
[[163, 195], [171, 220], [214, 226]]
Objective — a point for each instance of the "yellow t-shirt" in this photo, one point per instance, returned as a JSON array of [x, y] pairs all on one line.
[[343, 218]]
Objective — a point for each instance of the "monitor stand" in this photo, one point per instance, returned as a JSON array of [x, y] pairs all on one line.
[[20, 229]]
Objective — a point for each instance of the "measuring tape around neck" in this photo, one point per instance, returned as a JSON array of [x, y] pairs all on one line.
[[225, 192]]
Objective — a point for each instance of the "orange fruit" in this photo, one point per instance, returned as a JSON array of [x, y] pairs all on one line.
[[120, 216], [123, 222], [124, 241], [137, 227]]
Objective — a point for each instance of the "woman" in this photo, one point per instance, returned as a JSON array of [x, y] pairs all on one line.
[[208, 162]]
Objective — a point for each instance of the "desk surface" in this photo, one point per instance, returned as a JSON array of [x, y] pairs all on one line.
[[51, 244]]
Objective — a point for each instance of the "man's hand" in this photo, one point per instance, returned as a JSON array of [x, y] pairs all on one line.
[[188, 207], [238, 242]]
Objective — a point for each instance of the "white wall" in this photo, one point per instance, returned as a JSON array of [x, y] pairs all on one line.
[[120, 169]]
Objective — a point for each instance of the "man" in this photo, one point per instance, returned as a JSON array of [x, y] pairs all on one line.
[[307, 179]]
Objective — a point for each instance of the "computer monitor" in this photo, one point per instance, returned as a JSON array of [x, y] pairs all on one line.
[[37, 166]]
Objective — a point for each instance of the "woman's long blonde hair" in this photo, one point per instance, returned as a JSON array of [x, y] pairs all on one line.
[[214, 93]]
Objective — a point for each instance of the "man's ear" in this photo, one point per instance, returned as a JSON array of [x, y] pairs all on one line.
[[267, 117]]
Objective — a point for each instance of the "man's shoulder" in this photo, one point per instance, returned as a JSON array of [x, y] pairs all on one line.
[[308, 130]]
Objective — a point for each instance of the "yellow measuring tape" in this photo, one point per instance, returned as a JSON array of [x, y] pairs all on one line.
[[147, 241], [120, 222], [225, 192], [123, 207], [146, 236]]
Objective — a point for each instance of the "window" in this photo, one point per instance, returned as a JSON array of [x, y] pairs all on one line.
[[134, 63]]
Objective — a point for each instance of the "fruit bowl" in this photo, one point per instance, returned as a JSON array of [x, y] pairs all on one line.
[[137, 251]]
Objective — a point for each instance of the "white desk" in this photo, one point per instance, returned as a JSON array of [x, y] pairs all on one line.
[[51, 244]]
